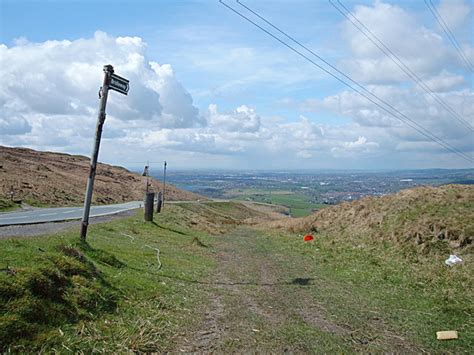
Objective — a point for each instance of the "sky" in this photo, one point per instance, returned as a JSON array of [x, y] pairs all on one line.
[[208, 90]]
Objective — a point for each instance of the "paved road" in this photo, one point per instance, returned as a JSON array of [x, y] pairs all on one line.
[[42, 215]]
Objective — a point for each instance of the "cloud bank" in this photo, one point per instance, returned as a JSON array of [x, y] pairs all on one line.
[[50, 95], [50, 90]]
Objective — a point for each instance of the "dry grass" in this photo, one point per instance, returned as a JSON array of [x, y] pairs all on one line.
[[425, 218], [218, 217], [46, 178]]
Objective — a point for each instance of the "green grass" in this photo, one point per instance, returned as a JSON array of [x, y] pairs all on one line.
[[7, 205], [379, 293], [60, 295], [299, 205], [107, 295], [36, 203]]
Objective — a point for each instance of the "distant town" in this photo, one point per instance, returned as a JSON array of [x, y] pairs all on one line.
[[318, 187]]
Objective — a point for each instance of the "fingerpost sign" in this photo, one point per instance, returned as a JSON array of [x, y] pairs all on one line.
[[121, 85]]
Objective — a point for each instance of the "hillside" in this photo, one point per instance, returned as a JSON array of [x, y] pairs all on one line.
[[220, 285], [425, 219], [56, 179], [215, 277]]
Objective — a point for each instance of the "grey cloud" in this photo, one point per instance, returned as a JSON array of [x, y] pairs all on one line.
[[14, 125]]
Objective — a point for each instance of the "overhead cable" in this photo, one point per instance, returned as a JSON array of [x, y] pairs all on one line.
[[385, 106], [449, 34], [396, 59]]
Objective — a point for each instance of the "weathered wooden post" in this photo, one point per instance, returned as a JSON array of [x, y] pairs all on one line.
[[103, 93], [164, 185], [119, 84], [159, 202], [149, 200]]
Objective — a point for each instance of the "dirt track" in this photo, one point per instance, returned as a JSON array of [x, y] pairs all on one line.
[[262, 302]]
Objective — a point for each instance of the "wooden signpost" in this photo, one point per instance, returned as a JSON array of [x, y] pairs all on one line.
[[121, 85]]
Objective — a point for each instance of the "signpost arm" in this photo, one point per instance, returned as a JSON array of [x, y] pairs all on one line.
[[108, 71]]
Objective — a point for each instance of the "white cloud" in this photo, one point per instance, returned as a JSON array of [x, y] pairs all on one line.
[[53, 86], [50, 99], [14, 125], [349, 148], [227, 133], [454, 12], [178, 109], [421, 49], [242, 119], [412, 104], [191, 140], [427, 54], [445, 81]]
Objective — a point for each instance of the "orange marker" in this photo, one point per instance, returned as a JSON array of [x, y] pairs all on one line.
[[308, 237]]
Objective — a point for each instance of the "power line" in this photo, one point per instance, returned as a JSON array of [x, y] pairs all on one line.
[[449, 33], [396, 59], [366, 93], [420, 128], [412, 123]]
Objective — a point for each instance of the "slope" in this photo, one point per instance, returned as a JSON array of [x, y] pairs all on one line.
[[57, 179], [423, 220]]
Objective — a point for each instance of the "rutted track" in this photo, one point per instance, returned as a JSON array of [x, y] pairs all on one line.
[[255, 302]]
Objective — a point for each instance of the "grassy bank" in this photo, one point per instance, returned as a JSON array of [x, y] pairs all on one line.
[[7, 205], [389, 253], [108, 294]]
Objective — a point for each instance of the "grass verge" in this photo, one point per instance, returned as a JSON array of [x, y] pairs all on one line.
[[7, 205], [107, 294], [386, 301]]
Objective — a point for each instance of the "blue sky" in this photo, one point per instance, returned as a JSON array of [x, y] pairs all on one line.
[[227, 95], [172, 29]]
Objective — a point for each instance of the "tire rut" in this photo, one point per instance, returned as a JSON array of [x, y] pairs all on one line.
[[252, 300], [228, 289], [245, 292]]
